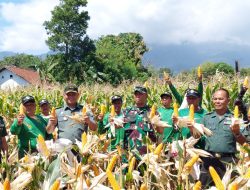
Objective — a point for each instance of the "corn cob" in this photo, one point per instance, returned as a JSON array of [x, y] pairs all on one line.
[[247, 174], [112, 180], [197, 186], [188, 166], [56, 185], [21, 109], [216, 178], [143, 187], [153, 111], [6, 184], [131, 165], [248, 113], [84, 110], [84, 139], [88, 183], [245, 83], [199, 71], [146, 84], [191, 112], [112, 112], [105, 146], [42, 146], [53, 112], [112, 163], [102, 109], [96, 170], [166, 76], [78, 170], [158, 149], [176, 114], [234, 186], [236, 112]]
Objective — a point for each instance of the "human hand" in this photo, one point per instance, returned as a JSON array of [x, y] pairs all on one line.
[[20, 119]]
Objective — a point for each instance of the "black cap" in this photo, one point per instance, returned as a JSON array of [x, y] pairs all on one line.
[[140, 89], [166, 94], [28, 98], [71, 88], [193, 92], [43, 101], [116, 97]]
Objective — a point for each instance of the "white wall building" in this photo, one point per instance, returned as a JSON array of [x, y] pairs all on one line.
[[13, 77]]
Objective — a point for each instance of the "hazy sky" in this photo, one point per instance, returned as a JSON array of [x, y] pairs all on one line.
[[158, 21]]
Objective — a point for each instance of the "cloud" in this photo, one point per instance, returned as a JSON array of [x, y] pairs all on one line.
[[24, 31], [158, 21]]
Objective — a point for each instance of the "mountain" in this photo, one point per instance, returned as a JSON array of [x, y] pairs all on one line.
[[187, 55], [6, 54], [179, 57]]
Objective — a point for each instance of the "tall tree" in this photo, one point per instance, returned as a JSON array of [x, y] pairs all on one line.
[[122, 55], [67, 36]]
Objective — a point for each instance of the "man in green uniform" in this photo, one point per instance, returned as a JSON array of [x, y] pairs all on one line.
[[106, 123], [222, 144], [27, 127], [166, 112], [137, 124], [3, 133], [193, 97], [67, 127]]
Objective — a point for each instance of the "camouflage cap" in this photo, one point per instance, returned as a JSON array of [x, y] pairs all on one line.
[[140, 89], [70, 88]]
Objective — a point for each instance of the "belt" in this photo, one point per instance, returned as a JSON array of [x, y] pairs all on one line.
[[221, 154]]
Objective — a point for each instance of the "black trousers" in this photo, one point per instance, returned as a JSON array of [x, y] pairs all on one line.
[[219, 164]]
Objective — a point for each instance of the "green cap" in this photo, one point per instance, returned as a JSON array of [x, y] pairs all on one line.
[[71, 88], [140, 89]]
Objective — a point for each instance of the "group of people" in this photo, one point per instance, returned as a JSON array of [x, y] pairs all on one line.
[[129, 126]]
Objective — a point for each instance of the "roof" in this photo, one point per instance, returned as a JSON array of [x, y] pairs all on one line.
[[29, 75]]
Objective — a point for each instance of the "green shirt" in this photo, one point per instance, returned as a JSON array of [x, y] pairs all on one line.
[[28, 132], [68, 128], [104, 126], [222, 140], [198, 116], [179, 98], [166, 115], [136, 127]]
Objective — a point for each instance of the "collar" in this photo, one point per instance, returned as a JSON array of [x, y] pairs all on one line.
[[66, 107]]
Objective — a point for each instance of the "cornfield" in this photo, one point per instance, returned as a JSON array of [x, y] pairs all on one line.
[[56, 167]]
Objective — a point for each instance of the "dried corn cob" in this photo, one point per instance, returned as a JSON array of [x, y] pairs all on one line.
[[88, 183], [236, 112], [112, 180], [42, 146], [112, 163], [96, 170], [53, 112], [56, 185], [131, 165], [158, 149], [216, 178], [153, 112], [84, 139], [143, 187], [6, 184], [105, 146], [197, 186], [176, 114], [21, 109], [191, 112], [188, 166], [78, 170], [112, 112]]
